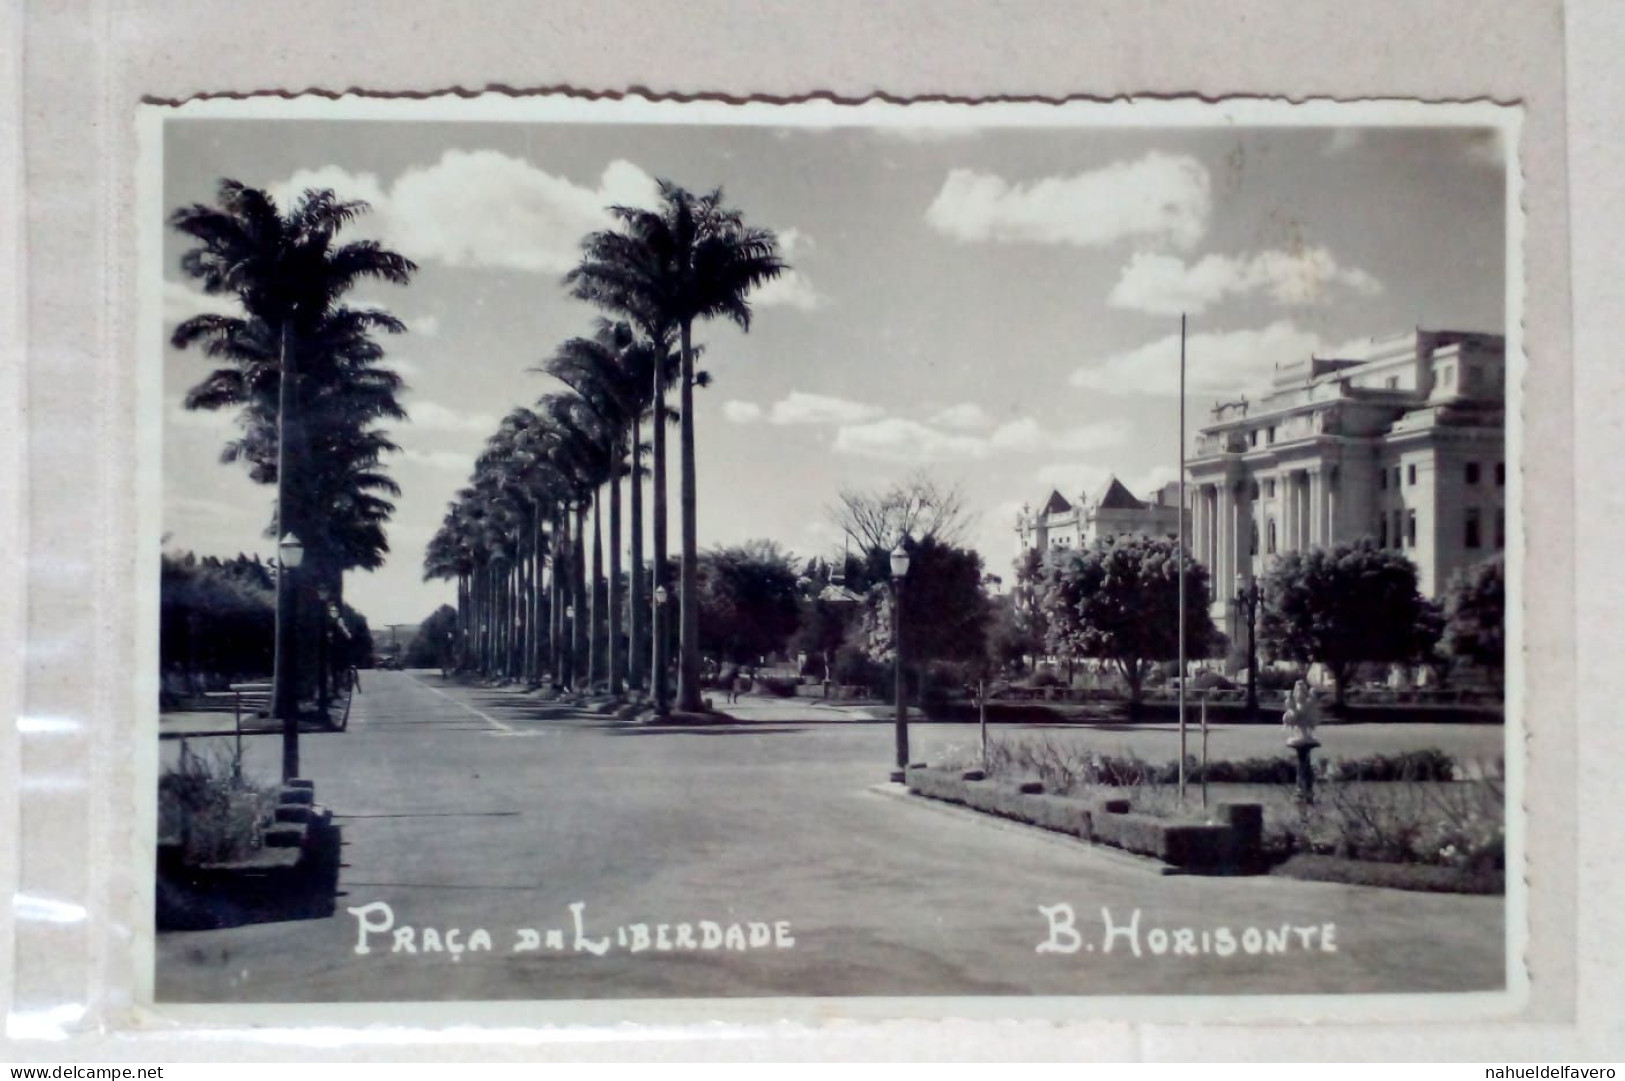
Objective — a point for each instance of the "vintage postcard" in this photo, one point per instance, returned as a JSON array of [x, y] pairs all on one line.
[[620, 559]]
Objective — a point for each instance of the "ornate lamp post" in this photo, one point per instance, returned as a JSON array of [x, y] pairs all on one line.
[[284, 694], [1248, 598], [899, 571], [662, 704]]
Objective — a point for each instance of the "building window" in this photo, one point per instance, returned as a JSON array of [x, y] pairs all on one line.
[[1382, 479], [1472, 539], [1269, 487], [1272, 433], [1382, 531], [1393, 382], [1449, 375], [1500, 528], [1472, 472], [1252, 491], [1253, 548], [1398, 517], [1410, 529], [1272, 536], [1396, 476], [1410, 474], [1500, 474], [1252, 438]]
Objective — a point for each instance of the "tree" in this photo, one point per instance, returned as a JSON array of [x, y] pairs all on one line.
[[1011, 634], [691, 259], [1342, 606], [432, 646], [614, 372], [1475, 616], [1118, 601], [295, 343], [748, 601], [916, 507], [945, 610]]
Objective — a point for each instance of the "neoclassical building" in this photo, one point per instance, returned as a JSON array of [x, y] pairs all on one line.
[[1404, 445], [1063, 523]]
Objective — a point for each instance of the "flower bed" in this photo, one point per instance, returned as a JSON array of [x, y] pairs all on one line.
[[1228, 842], [1373, 818]]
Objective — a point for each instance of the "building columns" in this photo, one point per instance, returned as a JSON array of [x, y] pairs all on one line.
[[1317, 509]]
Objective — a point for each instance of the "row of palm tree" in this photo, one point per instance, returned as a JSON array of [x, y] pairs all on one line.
[[654, 273], [305, 372]]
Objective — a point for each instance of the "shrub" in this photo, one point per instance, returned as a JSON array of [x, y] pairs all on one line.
[[777, 686], [1426, 765], [1458, 825], [1044, 677], [854, 669], [215, 813], [1277, 679]]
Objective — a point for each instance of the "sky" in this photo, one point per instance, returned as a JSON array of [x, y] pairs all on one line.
[[998, 307]]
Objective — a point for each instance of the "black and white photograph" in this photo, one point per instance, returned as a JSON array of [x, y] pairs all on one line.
[[951, 557]]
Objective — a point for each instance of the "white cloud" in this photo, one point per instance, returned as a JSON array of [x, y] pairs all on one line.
[[1161, 197], [802, 408], [482, 208], [436, 417], [898, 439], [790, 289], [424, 326], [439, 459], [181, 301], [965, 417], [1218, 362], [742, 412], [1029, 436], [1167, 285], [1072, 479]]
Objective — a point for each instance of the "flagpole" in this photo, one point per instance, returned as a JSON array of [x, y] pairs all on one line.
[[1180, 563]]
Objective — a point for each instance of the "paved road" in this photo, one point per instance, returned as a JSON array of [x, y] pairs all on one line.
[[472, 808]]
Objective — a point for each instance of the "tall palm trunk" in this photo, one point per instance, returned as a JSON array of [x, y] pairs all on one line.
[[615, 657], [578, 582], [658, 638], [538, 549], [637, 620], [596, 636], [557, 646], [688, 671]]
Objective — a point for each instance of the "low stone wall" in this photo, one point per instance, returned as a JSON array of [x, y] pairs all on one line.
[[1229, 844]]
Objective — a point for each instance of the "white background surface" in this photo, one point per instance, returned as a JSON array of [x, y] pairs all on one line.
[[74, 68]]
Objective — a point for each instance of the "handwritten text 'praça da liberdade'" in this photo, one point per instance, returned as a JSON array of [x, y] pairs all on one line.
[[377, 920]]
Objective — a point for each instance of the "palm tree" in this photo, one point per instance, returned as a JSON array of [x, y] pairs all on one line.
[[579, 444], [290, 276], [614, 372], [693, 258]]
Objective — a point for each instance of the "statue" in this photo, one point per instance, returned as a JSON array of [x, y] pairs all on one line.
[[1300, 716]]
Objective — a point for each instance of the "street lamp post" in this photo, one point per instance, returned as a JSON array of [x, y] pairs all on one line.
[[1248, 597], [662, 706], [899, 571], [284, 693], [569, 645]]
